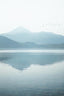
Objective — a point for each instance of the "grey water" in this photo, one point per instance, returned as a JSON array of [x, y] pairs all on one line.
[[31, 73]]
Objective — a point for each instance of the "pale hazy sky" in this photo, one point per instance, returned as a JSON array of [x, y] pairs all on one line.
[[35, 15]]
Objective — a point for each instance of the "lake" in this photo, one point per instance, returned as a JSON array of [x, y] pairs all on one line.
[[31, 72]]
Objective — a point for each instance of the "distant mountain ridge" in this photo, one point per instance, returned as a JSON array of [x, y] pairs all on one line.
[[23, 35], [24, 39], [8, 43]]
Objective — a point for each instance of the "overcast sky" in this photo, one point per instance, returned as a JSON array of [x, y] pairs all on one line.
[[35, 15]]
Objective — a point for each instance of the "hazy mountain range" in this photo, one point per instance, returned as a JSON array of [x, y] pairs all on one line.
[[23, 35], [8, 43], [23, 38]]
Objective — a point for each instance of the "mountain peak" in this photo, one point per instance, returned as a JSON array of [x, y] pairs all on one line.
[[20, 30]]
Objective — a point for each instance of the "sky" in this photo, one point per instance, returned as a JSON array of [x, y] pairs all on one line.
[[35, 15]]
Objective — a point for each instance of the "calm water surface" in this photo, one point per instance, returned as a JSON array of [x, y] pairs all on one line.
[[32, 73]]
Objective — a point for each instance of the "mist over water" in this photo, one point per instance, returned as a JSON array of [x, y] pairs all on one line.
[[31, 74]]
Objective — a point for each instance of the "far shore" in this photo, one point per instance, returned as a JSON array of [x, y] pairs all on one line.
[[32, 51]]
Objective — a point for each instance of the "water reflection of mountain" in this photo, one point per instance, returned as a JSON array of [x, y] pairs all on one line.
[[21, 61]]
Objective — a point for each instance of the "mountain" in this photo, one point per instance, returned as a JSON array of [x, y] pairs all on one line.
[[8, 43], [23, 35]]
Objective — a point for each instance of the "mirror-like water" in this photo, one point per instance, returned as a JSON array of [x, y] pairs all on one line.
[[31, 74]]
